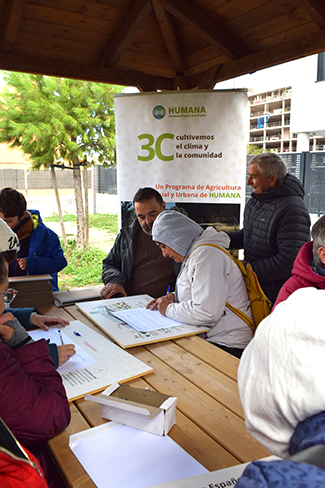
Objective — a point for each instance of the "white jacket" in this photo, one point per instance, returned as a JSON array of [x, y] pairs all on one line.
[[281, 372], [207, 280]]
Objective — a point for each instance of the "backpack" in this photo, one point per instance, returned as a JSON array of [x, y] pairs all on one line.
[[259, 303]]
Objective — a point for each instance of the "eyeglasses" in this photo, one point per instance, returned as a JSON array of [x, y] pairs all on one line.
[[9, 295]]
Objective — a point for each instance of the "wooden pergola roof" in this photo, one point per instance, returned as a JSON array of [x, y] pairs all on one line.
[[157, 44]]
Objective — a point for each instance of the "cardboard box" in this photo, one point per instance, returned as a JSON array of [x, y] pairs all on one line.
[[140, 408]]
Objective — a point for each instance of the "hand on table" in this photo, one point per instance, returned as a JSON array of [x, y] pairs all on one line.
[[112, 289], [43, 321], [161, 303], [65, 352]]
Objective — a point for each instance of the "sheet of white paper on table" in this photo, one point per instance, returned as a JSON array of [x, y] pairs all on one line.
[[143, 319], [117, 456], [80, 360], [216, 479]]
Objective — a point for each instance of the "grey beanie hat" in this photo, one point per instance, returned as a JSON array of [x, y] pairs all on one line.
[[175, 230], [8, 239]]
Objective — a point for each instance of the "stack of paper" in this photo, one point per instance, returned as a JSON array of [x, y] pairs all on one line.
[[33, 291], [115, 455]]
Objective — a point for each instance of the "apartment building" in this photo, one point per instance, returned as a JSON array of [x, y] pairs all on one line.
[[269, 122]]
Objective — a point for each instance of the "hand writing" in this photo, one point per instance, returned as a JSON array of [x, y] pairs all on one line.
[[65, 352], [161, 303]]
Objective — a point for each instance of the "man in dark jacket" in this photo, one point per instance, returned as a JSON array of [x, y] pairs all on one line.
[[135, 265], [276, 222]]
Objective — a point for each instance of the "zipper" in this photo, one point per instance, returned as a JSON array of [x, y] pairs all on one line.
[[27, 460]]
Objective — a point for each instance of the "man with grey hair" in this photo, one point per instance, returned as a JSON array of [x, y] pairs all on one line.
[[276, 222], [309, 266]]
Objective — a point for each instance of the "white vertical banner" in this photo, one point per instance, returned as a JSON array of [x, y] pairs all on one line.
[[188, 145]]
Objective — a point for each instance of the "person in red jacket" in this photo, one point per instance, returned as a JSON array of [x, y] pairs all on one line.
[[18, 467], [33, 402], [309, 266]]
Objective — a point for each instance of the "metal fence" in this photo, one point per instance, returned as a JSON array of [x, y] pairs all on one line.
[[309, 168], [103, 180]]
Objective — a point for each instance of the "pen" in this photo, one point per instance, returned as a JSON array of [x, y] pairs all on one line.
[[168, 288], [61, 337], [76, 333]]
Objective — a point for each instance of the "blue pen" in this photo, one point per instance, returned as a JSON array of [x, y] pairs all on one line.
[[59, 331], [167, 291], [77, 333]]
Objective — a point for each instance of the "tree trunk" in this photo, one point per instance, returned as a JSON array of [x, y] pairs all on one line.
[[56, 191], [79, 203], [86, 205]]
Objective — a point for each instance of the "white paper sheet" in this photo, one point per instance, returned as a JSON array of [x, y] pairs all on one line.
[[101, 312], [117, 456], [106, 362], [216, 479], [144, 320], [80, 360]]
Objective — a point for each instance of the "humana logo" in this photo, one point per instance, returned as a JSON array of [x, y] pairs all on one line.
[[186, 110]]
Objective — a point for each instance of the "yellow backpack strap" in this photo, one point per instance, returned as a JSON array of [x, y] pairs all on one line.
[[235, 310]]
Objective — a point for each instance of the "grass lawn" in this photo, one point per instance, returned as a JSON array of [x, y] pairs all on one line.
[[84, 267]]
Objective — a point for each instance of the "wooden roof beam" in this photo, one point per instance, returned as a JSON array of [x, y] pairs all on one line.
[[169, 37], [205, 80], [66, 69], [143, 82], [11, 24], [294, 49], [137, 15], [205, 28], [316, 10]]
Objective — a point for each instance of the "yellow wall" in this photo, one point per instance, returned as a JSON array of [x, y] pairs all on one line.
[[12, 158]]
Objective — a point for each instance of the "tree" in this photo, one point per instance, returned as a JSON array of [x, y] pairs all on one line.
[[252, 150], [58, 119]]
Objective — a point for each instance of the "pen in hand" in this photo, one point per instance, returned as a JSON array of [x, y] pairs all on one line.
[[167, 292], [61, 337]]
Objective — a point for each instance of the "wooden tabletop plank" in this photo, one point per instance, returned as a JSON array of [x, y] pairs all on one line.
[[210, 354], [69, 466], [220, 423], [185, 433], [213, 382], [54, 311]]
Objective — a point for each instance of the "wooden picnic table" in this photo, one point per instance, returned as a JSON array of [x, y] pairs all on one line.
[[210, 423]]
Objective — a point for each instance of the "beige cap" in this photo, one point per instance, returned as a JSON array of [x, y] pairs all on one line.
[[8, 239]]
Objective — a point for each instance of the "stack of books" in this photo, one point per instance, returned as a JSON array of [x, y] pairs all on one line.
[[70, 297], [33, 291]]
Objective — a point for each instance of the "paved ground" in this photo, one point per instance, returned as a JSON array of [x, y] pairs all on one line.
[[97, 238]]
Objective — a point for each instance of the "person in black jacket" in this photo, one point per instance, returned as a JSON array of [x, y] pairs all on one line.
[[135, 265], [276, 222]]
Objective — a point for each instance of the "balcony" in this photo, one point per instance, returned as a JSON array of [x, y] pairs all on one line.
[[274, 124], [257, 139]]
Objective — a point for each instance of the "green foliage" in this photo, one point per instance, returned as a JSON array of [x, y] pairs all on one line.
[[99, 221], [52, 119], [84, 267], [252, 150]]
